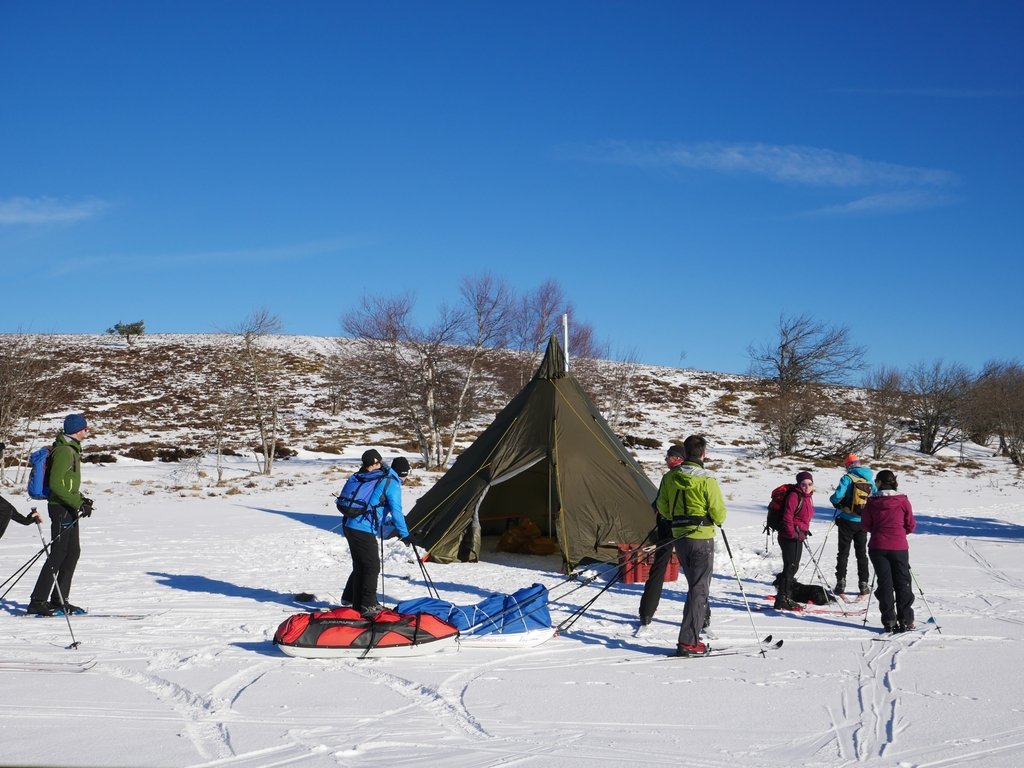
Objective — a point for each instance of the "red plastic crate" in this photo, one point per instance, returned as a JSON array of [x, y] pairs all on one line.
[[636, 568]]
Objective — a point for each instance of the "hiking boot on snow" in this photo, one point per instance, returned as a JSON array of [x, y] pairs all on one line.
[[864, 587], [371, 610], [840, 586], [785, 603], [39, 608], [697, 649], [910, 627], [68, 609], [891, 627]]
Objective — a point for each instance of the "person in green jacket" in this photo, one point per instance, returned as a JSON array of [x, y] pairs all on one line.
[[691, 501], [66, 506]]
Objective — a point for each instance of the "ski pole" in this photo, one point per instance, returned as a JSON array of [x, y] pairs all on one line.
[[431, 589], [746, 602], [821, 549], [382, 591], [27, 566], [20, 572], [871, 591], [920, 591], [825, 586], [56, 584]]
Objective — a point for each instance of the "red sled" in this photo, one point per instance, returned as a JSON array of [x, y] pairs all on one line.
[[343, 633]]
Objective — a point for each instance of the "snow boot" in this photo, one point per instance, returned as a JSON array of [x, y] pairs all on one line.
[[39, 608], [371, 610], [697, 649], [68, 610], [785, 603], [840, 586], [864, 588]]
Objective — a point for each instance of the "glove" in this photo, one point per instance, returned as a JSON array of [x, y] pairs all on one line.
[[86, 509], [407, 540]]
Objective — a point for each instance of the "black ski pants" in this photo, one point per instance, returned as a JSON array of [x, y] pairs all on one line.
[[852, 533], [792, 551], [361, 587], [62, 560], [894, 591]]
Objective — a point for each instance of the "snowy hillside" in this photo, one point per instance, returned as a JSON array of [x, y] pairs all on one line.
[[187, 580]]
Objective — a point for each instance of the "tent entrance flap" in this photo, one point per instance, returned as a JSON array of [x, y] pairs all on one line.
[[527, 492]]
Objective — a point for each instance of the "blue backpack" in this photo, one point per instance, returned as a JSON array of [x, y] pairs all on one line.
[[39, 474], [354, 499]]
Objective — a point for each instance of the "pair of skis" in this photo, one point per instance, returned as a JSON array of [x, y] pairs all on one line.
[[766, 644]]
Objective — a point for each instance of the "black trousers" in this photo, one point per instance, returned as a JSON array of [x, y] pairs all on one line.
[[656, 576], [65, 549], [852, 533], [894, 591], [792, 551], [361, 587]]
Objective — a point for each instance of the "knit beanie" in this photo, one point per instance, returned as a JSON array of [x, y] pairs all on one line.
[[371, 456], [74, 422], [801, 476], [401, 466]]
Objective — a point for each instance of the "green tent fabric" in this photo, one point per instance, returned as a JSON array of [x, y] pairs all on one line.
[[548, 456]]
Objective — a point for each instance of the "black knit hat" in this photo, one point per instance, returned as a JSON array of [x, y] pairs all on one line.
[[401, 466], [677, 451], [371, 456]]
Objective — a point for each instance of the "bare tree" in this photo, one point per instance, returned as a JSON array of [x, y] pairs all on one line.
[[536, 316], [261, 368], [807, 352], [886, 404], [431, 373], [995, 406], [937, 393], [27, 384], [805, 355], [613, 385], [223, 401]]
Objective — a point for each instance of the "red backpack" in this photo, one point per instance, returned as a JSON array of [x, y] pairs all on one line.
[[775, 507]]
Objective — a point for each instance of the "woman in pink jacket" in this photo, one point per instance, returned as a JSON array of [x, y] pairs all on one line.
[[888, 518], [797, 511]]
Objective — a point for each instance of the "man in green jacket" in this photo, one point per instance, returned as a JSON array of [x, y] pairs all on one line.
[[66, 506], [691, 501]]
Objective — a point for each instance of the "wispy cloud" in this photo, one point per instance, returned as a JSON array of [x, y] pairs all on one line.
[[886, 202], [887, 187], [49, 210], [786, 163]]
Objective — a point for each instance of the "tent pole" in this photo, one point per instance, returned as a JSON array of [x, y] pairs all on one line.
[[565, 339]]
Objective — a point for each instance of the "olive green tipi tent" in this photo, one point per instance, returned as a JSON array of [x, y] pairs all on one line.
[[548, 456]]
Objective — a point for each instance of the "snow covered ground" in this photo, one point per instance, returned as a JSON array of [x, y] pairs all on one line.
[[198, 682]]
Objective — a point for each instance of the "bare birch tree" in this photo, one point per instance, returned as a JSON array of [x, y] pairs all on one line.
[[261, 369], [27, 384], [429, 375]]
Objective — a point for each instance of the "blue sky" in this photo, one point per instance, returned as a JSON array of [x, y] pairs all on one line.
[[686, 171]]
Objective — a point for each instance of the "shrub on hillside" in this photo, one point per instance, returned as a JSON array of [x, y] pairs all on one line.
[[99, 458], [177, 454], [141, 453], [633, 441]]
